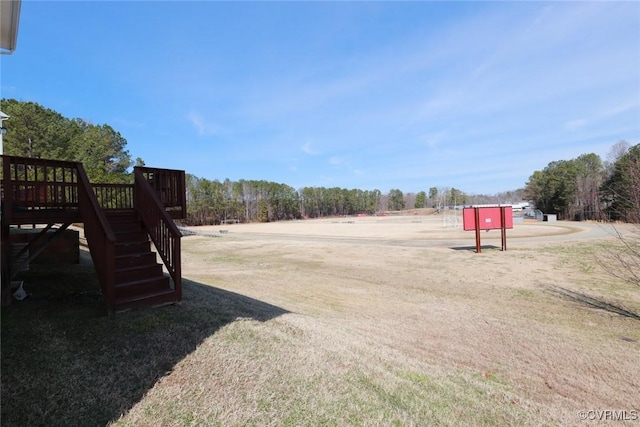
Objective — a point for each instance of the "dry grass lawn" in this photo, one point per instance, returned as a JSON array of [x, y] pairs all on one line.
[[359, 321]]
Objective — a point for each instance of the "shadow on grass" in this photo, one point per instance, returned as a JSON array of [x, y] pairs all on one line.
[[592, 302], [64, 362]]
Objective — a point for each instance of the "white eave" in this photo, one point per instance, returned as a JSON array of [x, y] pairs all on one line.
[[9, 20], [3, 116]]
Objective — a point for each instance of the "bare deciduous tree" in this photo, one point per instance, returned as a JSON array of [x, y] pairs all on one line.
[[622, 260], [623, 190]]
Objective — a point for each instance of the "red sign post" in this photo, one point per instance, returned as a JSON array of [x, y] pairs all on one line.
[[488, 218]]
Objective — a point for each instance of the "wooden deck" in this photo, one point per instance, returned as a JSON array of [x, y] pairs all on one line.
[[50, 192]]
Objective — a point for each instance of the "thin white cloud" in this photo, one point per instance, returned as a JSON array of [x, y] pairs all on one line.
[[345, 167], [621, 108], [202, 126], [336, 161], [575, 124], [602, 114], [308, 149], [434, 140], [544, 62]]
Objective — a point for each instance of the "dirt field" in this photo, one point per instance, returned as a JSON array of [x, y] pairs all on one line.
[[394, 295]]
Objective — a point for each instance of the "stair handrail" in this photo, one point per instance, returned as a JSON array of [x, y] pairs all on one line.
[[100, 237], [6, 209], [163, 231], [169, 186], [7, 189]]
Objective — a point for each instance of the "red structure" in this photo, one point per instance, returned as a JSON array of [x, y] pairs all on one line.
[[121, 222], [488, 218]]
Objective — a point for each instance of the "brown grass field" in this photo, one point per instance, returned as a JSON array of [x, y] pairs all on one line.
[[349, 321]]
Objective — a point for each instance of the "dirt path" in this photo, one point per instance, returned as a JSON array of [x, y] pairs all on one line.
[[407, 231]]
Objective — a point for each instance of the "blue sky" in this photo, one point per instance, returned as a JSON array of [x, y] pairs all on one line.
[[368, 95]]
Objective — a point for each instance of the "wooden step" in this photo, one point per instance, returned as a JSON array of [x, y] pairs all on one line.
[[134, 273], [140, 281], [126, 226], [135, 260], [130, 236], [153, 299], [142, 287], [133, 247], [120, 215]]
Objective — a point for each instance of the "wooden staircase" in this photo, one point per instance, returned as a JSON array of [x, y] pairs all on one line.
[[120, 222], [139, 278]]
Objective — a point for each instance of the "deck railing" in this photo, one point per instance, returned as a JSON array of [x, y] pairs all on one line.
[[100, 237], [32, 186], [38, 185], [114, 196], [163, 231], [169, 185]]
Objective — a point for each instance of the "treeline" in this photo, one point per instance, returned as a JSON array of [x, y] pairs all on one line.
[[36, 131], [215, 202], [588, 188]]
